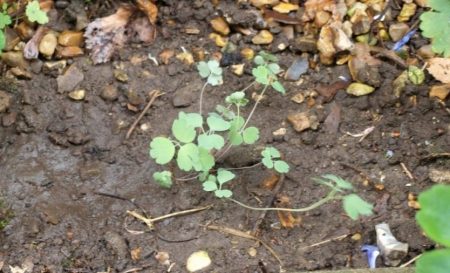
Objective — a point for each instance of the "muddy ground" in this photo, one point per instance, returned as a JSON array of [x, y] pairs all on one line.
[[59, 159]]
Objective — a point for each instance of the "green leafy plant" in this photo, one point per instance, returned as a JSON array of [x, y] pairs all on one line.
[[434, 219], [33, 13], [197, 142], [435, 24]]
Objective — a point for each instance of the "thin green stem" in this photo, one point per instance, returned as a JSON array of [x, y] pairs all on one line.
[[201, 97], [246, 167], [329, 197], [260, 96], [248, 86]]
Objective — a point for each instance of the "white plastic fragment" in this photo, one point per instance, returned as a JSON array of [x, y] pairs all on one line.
[[391, 249]]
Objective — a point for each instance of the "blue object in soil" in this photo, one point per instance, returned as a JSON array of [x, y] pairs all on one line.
[[405, 39], [372, 253]]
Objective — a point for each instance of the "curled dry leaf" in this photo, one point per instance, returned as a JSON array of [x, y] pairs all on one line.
[[440, 69], [270, 182], [287, 220], [136, 254], [149, 8], [105, 35], [31, 49]]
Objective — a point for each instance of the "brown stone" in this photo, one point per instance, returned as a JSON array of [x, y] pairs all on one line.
[[71, 38]]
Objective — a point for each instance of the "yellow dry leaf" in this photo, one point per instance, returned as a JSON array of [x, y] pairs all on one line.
[[440, 69]]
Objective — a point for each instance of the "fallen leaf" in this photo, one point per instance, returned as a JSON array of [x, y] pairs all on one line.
[[333, 119], [136, 254], [105, 35], [440, 69], [399, 84], [149, 8], [186, 57], [329, 91], [166, 55], [163, 258], [287, 220], [302, 121], [359, 89], [270, 182]]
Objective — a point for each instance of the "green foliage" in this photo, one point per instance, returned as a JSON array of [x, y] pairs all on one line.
[[212, 71], [416, 75], [435, 24], [197, 139], [162, 150], [271, 159], [164, 178], [354, 206], [434, 219], [35, 14]]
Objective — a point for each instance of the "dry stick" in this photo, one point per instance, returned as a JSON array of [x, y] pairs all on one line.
[[136, 269], [434, 156], [154, 94], [327, 241], [149, 221], [242, 234], [261, 217], [405, 169], [410, 261]]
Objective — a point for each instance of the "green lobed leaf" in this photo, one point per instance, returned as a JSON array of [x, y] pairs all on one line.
[[435, 25], [35, 14], [250, 135], [223, 193], [326, 183], [2, 41], [193, 119], [234, 134], [436, 261], [187, 156], [340, 182], [206, 160], [212, 141], [268, 162], [210, 184], [225, 112], [416, 75], [5, 20], [237, 98], [261, 74], [183, 131], [162, 150], [203, 69], [434, 214], [164, 178], [354, 206], [217, 123], [278, 87], [281, 166], [274, 68], [224, 176], [259, 60], [214, 67], [271, 152], [215, 80]]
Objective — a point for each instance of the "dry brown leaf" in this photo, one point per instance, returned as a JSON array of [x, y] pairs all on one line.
[[440, 69], [166, 55], [329, 91], [287, 220], [149, 8], [136, 254], [333, 119], [270, 182], [163, 258], [105, 35]]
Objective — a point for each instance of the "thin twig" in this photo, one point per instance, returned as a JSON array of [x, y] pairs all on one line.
[[274, 194], [329, 197], [136, 269], [326, 241], [405, 169], [149, 221], [410, 261], [356, 169], [242, 234], [434, 156], [154, 94]]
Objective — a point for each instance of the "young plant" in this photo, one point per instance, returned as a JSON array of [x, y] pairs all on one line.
[[32, 11], [435, 24], [197, 142], [434, 219]]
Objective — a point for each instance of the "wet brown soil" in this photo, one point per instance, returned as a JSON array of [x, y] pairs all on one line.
[[60, 159]]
